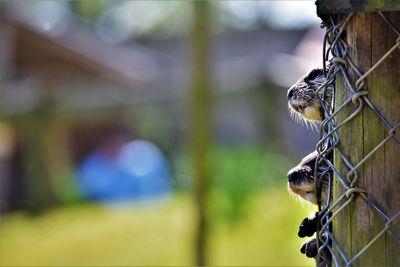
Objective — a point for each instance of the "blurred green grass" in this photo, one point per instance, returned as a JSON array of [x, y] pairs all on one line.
[[154, 235]]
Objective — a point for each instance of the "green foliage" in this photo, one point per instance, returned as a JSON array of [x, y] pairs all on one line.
[[69, 192], [238, 173], [90, 10]]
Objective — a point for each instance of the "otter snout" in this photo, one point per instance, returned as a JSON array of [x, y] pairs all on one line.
[[303, 98], [301, 180], [293, 176], [300, 175], [290, 93]]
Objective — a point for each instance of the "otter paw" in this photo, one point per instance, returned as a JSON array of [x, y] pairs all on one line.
[[308, 226], [309, 248]]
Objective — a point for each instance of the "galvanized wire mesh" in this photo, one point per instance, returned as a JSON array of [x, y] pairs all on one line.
[[336, 51]]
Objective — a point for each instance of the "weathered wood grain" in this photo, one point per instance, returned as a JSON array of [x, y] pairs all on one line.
[[370, 38]]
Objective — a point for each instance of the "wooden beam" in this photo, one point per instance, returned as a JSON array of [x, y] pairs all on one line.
[[346, 6]]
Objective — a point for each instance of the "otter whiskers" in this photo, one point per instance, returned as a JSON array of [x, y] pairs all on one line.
[[298, 118]]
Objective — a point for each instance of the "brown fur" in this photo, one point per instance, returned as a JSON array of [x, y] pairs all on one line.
[[301, 179], [304, 98]]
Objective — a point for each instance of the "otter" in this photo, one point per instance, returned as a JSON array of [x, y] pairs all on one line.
[[303, 99], [301, 181]]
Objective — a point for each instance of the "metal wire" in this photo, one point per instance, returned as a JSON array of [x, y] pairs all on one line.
[[336, 52]]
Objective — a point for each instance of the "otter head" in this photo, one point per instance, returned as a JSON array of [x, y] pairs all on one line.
[[301, 180], [303, 98]]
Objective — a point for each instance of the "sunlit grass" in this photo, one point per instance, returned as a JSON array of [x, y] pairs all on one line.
[[268, 237], [154, 235]]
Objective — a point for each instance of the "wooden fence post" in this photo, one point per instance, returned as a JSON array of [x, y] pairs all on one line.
[[200, 123], [370, 38]]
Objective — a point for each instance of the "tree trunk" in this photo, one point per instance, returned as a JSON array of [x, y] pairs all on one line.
[[200, 111]]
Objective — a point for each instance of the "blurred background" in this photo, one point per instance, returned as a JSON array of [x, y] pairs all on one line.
[[152, 132]]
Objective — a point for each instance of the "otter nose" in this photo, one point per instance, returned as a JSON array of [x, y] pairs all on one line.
[[290, 93], [293, 176]]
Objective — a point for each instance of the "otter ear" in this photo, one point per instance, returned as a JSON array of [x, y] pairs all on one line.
[[314, 74]]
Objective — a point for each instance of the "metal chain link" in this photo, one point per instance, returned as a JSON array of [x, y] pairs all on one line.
[[336, 50]]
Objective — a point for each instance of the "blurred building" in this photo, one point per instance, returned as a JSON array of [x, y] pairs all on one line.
[[62, 91]]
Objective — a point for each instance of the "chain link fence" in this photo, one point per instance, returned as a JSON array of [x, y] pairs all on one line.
[[347, 180]]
